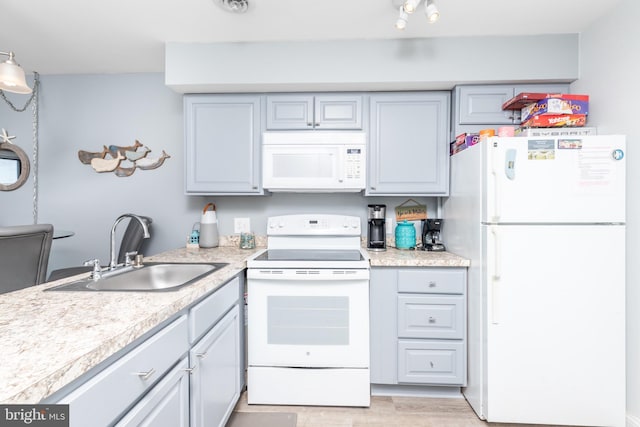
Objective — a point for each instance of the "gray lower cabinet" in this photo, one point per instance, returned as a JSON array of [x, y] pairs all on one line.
[[223, 144], [215, 377], [418, 326], [188, 373], [408, 144], [166, 405], [314, 111]]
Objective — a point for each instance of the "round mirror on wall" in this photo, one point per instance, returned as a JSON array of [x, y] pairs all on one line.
[[14, 166]]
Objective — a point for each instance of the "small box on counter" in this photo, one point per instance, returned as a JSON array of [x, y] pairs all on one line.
[[464, 140], [557, 120], [561, 104], [559, 132]]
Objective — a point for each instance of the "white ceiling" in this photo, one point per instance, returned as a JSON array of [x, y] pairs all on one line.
[[119, 36]]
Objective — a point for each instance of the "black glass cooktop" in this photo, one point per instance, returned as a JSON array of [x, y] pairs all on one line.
[[310, 255]]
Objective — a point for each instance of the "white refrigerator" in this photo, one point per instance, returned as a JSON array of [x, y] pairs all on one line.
[[543, 222]]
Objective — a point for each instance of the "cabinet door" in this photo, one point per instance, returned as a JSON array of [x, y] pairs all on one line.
[[222, 134], [166, 405], [289, 112], [483, 104], [409, 149], [383, 364], [216, 375], [338, 112]]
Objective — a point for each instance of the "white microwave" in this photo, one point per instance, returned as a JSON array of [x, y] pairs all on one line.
[[314, 161]]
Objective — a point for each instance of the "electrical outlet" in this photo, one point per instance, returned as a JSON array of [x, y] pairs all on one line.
[[241, 225]]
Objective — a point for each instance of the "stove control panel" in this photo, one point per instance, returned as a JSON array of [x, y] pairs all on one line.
[[314, 224]]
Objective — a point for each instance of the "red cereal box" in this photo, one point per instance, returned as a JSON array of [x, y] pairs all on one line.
[[558, 120]]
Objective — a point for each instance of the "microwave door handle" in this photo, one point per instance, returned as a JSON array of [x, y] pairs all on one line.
[[340, 164]]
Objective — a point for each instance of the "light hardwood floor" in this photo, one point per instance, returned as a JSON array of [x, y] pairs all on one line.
[[385, 411]]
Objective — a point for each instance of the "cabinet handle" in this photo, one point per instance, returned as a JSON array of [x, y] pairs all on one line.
[[309, 124], [431, 363], [201, 355], [432, 284], [373, 188], [317, 124], [145, 375], [432, 319], [190, 370]]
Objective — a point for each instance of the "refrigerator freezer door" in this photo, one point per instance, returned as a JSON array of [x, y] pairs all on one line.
[[555, 322], [554, 180]]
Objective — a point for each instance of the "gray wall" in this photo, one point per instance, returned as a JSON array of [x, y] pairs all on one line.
[[85, 112], [609, 71]]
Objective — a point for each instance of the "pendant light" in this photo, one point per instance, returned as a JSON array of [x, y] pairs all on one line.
[[12, 78]]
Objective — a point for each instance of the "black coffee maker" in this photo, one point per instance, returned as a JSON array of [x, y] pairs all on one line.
[[431, 235], [376, 230]]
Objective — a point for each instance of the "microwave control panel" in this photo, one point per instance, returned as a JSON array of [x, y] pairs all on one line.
[[354, 161]]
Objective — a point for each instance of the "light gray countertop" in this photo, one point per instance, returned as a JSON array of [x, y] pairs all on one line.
[[50, 339]]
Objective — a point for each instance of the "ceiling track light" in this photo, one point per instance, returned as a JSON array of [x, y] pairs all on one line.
[[235, 6], [431, 11], [407, 7]]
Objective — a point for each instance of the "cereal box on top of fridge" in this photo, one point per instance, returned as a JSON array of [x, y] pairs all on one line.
[[558, 120], [563, 104]]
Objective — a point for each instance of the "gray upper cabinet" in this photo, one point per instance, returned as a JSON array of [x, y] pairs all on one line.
[[222, 144], [482, 105], [408, 144], [319, 112]]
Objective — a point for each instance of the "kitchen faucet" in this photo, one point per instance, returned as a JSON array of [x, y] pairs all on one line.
[[113, 263]]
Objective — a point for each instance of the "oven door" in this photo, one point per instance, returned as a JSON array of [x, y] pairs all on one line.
[[308, 318]]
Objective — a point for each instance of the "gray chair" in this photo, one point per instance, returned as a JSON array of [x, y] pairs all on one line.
[[24, 255], [132, 240]]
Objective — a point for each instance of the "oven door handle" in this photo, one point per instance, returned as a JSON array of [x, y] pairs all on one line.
[[308, 274]]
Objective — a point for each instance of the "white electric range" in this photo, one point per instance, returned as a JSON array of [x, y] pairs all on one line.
[[308, 313]]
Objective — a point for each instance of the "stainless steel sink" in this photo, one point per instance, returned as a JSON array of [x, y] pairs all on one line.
[[152, 277]]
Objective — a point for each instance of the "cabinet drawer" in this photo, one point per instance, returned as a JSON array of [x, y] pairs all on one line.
[[421, 316], [206, 313], [431, 362], [104, 397], [433, 280]]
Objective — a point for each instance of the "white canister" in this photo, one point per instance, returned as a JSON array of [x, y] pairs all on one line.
[[209, 227]]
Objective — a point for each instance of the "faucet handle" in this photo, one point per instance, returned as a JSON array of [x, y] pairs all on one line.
[[97, 269], [127, 257]]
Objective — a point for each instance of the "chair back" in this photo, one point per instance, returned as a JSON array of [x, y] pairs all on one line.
[[24, 255], [133, 238]]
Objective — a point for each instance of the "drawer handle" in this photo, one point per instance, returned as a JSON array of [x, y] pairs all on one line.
[[432, 284], [432, 319], [145, 375], [431, 363]]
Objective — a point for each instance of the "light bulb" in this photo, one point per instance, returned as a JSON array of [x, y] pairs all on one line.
[[410, 6], [401, 23], [431, 11]]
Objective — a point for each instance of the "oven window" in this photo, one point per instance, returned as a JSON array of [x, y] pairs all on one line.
[[308, 320]]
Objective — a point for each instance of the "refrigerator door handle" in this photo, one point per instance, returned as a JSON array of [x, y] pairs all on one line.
[[495, 277], [495, 165]]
